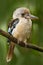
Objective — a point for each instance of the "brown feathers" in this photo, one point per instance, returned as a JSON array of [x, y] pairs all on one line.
[[10, 52]]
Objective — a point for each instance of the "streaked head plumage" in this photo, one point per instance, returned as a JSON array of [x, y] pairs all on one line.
[[19, 11], [23, 11]]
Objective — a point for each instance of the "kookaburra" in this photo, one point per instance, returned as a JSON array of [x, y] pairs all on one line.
[[20, 28]]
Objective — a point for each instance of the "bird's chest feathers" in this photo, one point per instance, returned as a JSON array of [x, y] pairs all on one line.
[[24, 26]]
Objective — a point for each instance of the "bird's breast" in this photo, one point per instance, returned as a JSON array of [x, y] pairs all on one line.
[[23, 28]]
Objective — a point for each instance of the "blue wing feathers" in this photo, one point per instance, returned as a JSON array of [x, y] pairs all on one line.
[[10, 29]]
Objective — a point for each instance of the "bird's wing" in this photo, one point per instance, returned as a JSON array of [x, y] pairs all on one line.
[[12, 25]]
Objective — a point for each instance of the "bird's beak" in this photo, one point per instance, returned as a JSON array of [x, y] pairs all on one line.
[[33, 17], [29, 16]]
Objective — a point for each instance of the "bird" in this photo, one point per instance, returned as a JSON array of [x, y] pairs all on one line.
[[19, 27]]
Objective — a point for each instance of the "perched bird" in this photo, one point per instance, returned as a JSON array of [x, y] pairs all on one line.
[[20, 28]]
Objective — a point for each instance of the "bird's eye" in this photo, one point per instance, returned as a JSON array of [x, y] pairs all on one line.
[[23, 14]]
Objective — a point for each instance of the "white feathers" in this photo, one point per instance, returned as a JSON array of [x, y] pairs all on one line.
[[8, 60]]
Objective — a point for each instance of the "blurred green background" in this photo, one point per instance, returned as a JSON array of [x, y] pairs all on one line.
[[22, 56]]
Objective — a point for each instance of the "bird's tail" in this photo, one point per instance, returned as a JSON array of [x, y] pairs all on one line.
[[10, 52]]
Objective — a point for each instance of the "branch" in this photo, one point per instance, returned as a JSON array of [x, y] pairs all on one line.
[[22, 44]]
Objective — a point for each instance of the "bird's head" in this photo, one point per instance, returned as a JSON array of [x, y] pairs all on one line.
[[23, 12]]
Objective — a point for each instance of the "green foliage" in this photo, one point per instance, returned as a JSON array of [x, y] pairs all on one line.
[[22, 56]]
